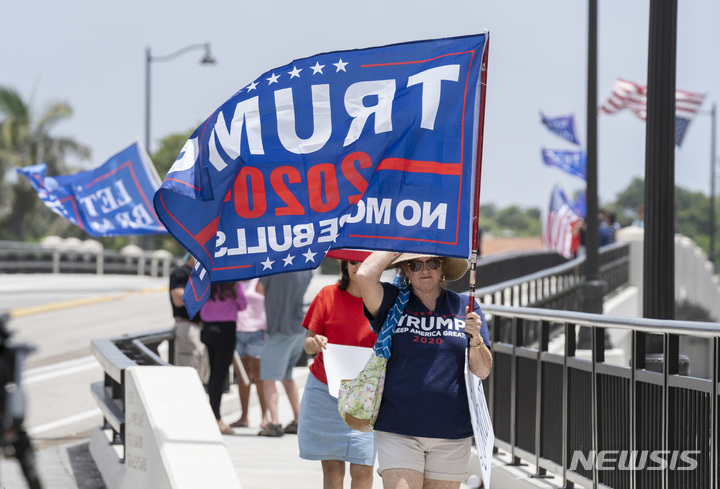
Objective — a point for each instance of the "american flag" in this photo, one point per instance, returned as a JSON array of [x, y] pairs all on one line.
[[558, 229], [629, 95]]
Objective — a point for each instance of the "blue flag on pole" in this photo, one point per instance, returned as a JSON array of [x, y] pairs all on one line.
[[563, 126], [370, 148], [570, 161], [114, 199], [580, 204]]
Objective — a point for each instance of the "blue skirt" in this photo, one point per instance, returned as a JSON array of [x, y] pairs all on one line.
[[323, 435]]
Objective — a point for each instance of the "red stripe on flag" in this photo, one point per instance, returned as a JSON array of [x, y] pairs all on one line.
[[413, 166]]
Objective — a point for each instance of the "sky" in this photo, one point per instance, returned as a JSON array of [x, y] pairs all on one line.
[[91, 55]]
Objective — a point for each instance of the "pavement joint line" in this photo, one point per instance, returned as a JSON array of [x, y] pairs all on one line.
[[60, 373], [87, 359], [34, 430], [54, 306]]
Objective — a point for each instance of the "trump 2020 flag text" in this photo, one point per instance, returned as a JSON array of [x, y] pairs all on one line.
[[114, 199], [370, 148]]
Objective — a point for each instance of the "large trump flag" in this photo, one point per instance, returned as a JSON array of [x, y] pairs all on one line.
[[371, 148]]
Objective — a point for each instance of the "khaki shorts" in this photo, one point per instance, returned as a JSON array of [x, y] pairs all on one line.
[[435, 458]]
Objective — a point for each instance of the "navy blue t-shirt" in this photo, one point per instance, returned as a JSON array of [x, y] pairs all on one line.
[[424, 392]]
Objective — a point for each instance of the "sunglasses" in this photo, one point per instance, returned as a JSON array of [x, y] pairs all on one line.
[[353, 262], [417, 266]]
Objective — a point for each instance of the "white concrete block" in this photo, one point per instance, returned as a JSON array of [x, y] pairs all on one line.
[[172, 440]]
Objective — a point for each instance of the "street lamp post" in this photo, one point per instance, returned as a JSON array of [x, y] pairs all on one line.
[[713, 162], [149, 58]]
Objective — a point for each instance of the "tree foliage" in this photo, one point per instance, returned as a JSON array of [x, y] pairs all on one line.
[[510, 221], [26, 139]]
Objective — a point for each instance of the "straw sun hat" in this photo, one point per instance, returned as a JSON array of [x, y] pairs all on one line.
[[453, 268]]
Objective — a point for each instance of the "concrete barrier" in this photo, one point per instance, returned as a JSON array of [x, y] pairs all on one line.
[[172, 439]]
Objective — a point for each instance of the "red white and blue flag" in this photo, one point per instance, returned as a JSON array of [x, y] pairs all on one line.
[[370, 148], [561, 219], [629, 95], [114, 199]]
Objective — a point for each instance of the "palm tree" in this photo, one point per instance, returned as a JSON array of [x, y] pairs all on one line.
[[25, 141]]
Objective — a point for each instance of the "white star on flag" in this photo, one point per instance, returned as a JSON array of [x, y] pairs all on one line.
[[340, 66], [288, 260], [252, 86], [272, 79], [317, 68], [295, 72], [268, 263], [309, 256]]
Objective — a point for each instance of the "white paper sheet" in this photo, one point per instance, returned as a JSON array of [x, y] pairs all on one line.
[[343, 362]]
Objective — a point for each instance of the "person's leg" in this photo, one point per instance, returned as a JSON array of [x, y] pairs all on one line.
[[184, 348], [215, 386], [200, 357], [361, 476], [436, 484], [296, 349], [402, 479], [271, 400], [243, 393], [292, 394], [252, 367], [333, 474], [401, 460], [272, 366]]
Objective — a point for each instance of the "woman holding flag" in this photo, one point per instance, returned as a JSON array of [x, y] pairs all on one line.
[[335, 316], [424, 430]]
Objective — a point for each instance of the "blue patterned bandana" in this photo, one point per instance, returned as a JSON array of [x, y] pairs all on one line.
[[384, 341]]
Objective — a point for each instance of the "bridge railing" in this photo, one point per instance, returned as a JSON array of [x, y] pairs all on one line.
[[115, 355], [559, 287], [590, 422], [74, 256]]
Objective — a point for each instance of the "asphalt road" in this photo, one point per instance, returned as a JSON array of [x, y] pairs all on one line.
[[59, 315]]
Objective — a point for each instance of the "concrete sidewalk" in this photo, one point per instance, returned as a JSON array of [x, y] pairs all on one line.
[[260, 462]]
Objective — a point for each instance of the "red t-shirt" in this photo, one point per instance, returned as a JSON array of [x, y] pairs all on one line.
[[338, 315]]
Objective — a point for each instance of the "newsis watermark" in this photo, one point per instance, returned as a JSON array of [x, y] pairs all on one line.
[[635, 460]]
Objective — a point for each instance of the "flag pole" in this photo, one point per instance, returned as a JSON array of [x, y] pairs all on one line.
[[478, 174]]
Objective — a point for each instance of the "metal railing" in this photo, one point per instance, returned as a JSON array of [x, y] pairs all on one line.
[[559, 287], [115, 355], [588, 421], [18, 257]]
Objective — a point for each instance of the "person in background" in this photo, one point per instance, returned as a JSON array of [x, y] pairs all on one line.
[[639, 221], [335, 316], [189, 350], [606, 233], [283, 347], [219, 316], [424, 430], [250, 337]]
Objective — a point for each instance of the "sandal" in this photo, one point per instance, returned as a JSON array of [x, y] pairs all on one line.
[[239, 424], [224, 428], [273, 430]]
